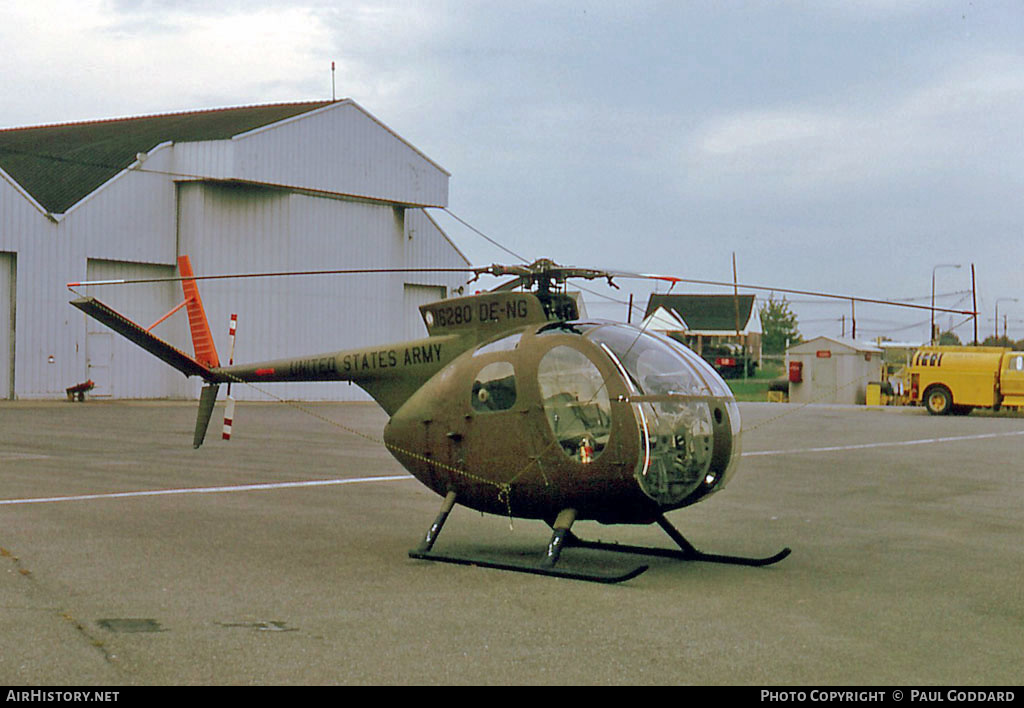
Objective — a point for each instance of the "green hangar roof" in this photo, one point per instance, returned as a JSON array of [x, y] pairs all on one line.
[[707, 312], [59, 165]]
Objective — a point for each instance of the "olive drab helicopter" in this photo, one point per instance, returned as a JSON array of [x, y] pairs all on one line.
[[597, 420]]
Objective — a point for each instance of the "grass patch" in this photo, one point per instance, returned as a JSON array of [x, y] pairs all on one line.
[[750, 390], [755, 388]]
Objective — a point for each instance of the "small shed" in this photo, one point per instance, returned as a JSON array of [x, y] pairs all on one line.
[[832, 370]]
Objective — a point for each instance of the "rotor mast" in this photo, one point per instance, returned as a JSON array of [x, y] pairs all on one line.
[[546, 280]]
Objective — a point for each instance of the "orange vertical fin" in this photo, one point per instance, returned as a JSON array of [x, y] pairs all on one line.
[[202, 337]]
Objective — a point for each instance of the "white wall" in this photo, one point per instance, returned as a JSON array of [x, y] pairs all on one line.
[[7, 338], [340, 149], [249, 229]]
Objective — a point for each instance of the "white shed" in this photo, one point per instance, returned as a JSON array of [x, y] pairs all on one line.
[[298, 186], [832, 370]]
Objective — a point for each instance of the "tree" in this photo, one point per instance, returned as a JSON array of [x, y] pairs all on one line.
[[949, 338], [778, 326]]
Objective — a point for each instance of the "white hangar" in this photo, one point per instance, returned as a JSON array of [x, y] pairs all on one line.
[[299, 186]]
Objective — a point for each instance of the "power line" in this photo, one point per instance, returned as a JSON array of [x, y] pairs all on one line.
[[483, 235]]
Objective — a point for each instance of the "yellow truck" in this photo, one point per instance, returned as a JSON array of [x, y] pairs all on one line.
[[958, 379]]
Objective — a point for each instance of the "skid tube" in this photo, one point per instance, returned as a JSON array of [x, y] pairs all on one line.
[[563, 537], [560, 537], [553, 572], [686, 550]]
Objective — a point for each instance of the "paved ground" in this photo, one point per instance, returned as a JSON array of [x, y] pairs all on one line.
[[907, 565]]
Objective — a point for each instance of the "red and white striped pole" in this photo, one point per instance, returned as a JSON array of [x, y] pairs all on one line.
[[231, 338], [229, 408]]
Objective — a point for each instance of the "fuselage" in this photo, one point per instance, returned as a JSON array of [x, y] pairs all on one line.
[[615, 422], [522, 410]]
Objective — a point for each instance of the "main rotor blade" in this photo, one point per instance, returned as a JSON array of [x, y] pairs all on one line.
[[789, 291], [528, 273], [227, 276]]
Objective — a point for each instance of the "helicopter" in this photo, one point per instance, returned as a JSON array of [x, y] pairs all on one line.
[[597, 420]]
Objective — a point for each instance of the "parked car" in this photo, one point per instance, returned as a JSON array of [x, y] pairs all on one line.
[[728, 360]]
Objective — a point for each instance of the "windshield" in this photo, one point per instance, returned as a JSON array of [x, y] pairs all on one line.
[[674, 391]]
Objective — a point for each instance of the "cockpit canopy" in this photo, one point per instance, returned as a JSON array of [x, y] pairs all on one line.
[[677, 398]]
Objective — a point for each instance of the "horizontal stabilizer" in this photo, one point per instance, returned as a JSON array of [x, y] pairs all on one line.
[[152, 344]]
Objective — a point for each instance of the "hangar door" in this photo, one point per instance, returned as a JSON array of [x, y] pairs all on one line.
[[7, 296], [118, 368]]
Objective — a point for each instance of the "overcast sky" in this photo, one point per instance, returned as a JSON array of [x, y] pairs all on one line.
[[849, 146]]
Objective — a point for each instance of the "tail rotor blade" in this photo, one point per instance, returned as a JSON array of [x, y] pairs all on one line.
[[206, 401]]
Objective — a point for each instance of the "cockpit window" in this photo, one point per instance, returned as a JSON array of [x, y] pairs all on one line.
[[658, 365], [576, 402], [675, 393], [494, 388]]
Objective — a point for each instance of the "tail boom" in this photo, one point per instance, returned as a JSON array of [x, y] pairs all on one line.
[[390, 374]]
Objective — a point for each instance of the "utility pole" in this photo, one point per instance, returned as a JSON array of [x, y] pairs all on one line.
[[995, 331], [974, 295], [932, 338], [736, 309]]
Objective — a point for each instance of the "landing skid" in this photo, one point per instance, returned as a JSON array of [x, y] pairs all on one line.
[[563, 537], [589, 576], [686, 551]]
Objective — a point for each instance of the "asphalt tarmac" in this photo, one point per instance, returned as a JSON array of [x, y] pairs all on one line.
[[280, 557]]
